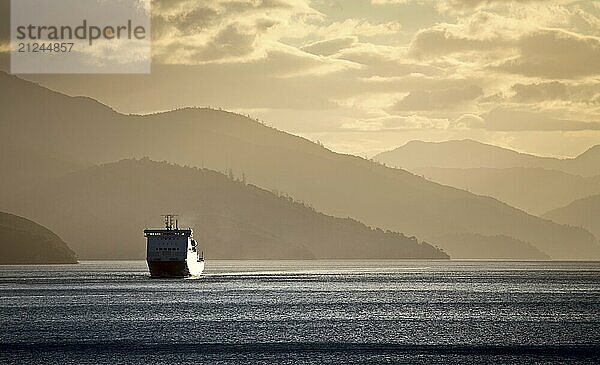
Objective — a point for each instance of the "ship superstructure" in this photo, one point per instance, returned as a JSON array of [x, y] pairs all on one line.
[[172, 252]]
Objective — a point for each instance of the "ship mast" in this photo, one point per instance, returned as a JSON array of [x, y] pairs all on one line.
[[170, 221]]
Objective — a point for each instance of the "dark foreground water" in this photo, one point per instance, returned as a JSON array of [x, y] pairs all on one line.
[[302, 312]]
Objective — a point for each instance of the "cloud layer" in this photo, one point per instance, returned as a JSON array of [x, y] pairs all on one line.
[[455, 68]]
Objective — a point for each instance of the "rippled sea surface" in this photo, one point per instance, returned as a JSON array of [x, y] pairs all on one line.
[[319, 312]]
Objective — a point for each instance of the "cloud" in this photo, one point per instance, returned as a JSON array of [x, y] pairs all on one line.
[[174, 9], [389, 2], [459, 6], [438, 99], [554, 53], [396, 123], [330, 46], [469, 121], [385, 62], [509, 119], [481, 33], [585, 19], [289, 62], [195, 20], [564, 92], [195, 32], [586, 92], [229, 43], [552, 90], [350, 66], [431, 42], [444, 6], [500, 30], [416, 81], [316, 28]]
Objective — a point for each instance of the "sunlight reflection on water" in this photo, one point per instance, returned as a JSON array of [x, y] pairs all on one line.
[[309, 311]]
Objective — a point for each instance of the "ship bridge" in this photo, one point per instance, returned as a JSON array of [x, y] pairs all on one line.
[[171, 228], [173, 232]]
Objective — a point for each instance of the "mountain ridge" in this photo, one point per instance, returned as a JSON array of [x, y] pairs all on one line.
[[583, 212], [473, 154], [335, 184], [23, 241], [233, 219], [534, 190]]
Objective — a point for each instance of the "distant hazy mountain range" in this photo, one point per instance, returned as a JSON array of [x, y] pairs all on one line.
[[466, 154], [535, 190], [25, 242], [535, 184], [563, 190], [583, 212], [82, 131], [476, 246]]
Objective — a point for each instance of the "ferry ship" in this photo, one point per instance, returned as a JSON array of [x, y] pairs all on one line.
[[172, 252]]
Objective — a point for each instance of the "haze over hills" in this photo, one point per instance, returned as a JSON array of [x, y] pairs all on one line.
[[471, 154], [24, 167], [25, 242], [231, 219], [583, 212], [339, 185], [476, 246], [535, 190]]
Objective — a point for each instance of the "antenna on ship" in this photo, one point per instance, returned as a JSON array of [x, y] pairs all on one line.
[[170, 220]]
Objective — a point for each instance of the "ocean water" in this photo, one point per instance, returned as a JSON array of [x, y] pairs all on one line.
[[313, 312]]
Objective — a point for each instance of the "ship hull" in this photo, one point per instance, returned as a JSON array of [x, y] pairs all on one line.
[[175, 269]]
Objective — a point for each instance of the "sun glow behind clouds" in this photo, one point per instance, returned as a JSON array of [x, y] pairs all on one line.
[[374, 73]]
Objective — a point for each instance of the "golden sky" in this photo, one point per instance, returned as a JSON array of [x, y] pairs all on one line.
[[363, 76]]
